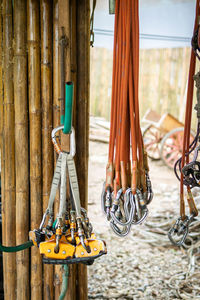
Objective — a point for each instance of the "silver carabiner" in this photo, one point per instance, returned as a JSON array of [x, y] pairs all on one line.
[[106, 201], [122, 233], [181, 227], [72, 140], [141, 212]]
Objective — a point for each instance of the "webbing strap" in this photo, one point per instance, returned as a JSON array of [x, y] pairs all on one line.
[[74, 184], [55, 183], [64, 161], [63, 187], [125, 121]]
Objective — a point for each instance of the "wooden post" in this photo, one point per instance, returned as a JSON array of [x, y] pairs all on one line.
[[64, 21], [1, 84], [8, 202], [82, 119], [33, 35], [73, 55], [21, 146], [1, 102], [2, 149], [56, 122], [47, 120]]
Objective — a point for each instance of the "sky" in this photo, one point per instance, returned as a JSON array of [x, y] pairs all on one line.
[[163, 23]]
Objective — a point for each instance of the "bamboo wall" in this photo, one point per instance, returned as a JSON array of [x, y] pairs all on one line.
[[30, 31], [163, 80]]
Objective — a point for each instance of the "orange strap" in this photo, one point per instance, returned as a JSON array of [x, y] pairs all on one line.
[[125, 122], [187, 128]]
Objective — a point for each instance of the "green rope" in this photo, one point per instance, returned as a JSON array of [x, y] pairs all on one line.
[[64, 282], [16, 248]]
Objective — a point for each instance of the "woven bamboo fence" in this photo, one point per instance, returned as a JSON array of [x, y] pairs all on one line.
[[30, 31], [163, 81]]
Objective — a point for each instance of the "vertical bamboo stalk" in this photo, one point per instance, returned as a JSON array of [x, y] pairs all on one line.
[[1, 99], [82, 119], [1, 82], [21, 146], [73, 54], [2, 149], [35, 139], [56, 75], [56, 122], [47, 119], [9, 163], [64, 21]]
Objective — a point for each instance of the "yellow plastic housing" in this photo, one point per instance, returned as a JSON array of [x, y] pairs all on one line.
[[96, 247], [66, 250]]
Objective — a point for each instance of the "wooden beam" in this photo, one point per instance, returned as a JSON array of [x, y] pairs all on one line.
[[82, 119], [64, 22], [2, 149], [46, 26], [8, 202], [56, 122], [21, 146], [33, 37]]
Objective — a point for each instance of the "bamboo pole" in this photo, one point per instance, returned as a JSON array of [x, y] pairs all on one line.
[[35, 139], [56, 122], [1, 83], [1, 101], [64, 21], [82, 119], [21, 146], [9, 163], [47, 119], [73, 54], [2, 149]]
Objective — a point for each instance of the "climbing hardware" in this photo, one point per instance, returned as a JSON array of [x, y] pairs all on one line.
[[187, 170], [127, 190], [69, 239]]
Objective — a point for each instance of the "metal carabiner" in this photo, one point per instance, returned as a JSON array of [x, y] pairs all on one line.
[[122, 233], [149, 189], [174, 231], [106, 200], [44, 219], [128, 214], [141, 212], [115, 204], [57, 145], [181, 227]]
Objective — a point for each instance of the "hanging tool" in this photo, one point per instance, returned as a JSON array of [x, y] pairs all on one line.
[[127, 190], [69, 239], [188, 172]]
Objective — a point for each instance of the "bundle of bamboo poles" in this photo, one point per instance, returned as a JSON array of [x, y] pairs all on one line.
[[29, 108]]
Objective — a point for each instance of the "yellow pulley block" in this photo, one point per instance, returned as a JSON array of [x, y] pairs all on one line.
[[66, 250], [97, 248]]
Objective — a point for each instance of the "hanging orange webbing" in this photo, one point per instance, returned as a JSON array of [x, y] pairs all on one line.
[[179, 230], [127, 190]]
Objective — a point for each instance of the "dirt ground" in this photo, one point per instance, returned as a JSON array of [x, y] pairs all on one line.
[[140, 265]]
